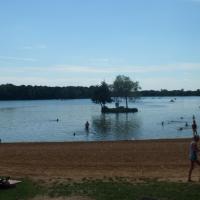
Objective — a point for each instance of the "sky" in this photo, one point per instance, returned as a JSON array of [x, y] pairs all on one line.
[[84, 42]]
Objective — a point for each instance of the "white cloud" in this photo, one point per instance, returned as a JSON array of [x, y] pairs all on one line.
[[183, 67], [91, 75], [126, 69], [45, 81], [169, 83], [26, 47], [41, 46], [32, 47], [17, 58], [155, 83], [99, 60]]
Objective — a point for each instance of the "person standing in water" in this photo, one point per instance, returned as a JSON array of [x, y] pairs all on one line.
[[194, 127], [87, 125], [193, 151]]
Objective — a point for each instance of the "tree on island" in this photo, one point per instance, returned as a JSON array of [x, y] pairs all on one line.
[[124, 87], [102, 94]]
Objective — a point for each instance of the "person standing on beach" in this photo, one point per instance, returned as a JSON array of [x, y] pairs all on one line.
[[193, 155]]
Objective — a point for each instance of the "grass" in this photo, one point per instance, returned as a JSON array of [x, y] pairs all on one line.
[[106, 189], [23, 191], [123, 190]]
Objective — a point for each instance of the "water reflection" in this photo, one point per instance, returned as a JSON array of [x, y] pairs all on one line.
[[7, 109], [116, 126]]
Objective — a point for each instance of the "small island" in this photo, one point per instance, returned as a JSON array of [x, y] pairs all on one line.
[[122, 88], [120, 109]]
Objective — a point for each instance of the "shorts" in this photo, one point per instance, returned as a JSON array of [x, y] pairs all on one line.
[[193, 157]]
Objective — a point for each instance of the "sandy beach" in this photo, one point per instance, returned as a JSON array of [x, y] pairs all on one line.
[[162, 159]]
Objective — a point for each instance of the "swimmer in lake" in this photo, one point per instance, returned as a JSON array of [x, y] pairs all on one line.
[[87, 125]]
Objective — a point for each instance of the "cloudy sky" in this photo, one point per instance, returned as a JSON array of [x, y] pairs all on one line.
[[82, 42]]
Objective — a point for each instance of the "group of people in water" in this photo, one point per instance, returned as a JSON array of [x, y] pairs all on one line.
[[194, 125]]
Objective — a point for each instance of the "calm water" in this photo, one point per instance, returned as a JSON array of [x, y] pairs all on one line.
[[36, 120]]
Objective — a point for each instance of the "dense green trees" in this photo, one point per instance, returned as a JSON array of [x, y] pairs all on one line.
[[124, 87], [102, 94], [13, 92], [164, 92]]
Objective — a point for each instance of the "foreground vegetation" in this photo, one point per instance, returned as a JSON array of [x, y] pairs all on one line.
[[107, 189], [27, 189]]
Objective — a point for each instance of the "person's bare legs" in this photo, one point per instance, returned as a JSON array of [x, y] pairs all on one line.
[[191, 168], [198, 163]]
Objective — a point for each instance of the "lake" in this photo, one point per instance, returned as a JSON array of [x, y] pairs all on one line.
[[22, 121]]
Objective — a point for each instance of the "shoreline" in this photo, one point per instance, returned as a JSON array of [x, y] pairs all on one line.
[[99, 141], [163, 159]]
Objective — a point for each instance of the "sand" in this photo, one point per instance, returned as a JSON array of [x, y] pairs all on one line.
[[136, 160]]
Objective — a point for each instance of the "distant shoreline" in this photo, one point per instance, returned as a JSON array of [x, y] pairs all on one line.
[[1, 100], [28, 92]]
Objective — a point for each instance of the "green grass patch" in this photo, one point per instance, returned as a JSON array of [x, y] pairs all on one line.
[[27, 189], [124, 190], [107, 189]]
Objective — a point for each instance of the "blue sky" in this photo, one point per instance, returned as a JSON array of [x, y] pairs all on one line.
[[82, 42]]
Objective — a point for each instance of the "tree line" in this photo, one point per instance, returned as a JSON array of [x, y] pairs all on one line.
[[22, 92], [164, 92]]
